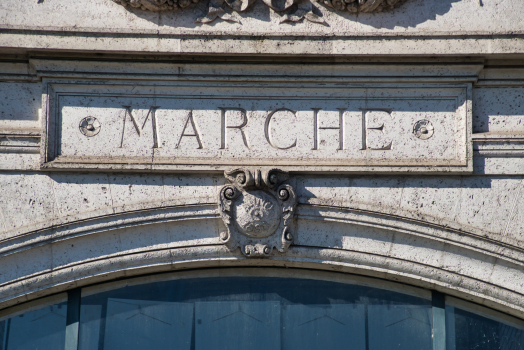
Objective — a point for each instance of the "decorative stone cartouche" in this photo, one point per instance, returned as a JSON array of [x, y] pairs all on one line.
[[257, 208]]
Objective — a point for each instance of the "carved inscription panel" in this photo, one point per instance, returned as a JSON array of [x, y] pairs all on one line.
[[347, 129]]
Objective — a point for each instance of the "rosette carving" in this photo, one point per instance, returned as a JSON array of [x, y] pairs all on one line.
[[293, 10], [257, 208]]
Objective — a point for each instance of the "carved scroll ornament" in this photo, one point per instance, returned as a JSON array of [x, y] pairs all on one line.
[[258, 210], [294, 10]]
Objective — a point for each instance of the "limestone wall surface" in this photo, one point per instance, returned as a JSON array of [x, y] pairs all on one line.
[[414, 27], [388, 144], [446, 17], [461, 235]]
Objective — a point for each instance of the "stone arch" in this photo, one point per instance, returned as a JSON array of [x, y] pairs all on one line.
[[96, 248]]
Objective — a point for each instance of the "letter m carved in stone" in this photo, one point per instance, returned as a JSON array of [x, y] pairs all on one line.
[[139, 128]]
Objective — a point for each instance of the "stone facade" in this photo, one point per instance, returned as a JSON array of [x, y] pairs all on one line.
[[378, 138]]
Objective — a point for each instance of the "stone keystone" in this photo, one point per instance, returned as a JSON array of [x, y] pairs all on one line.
[[257, 208]]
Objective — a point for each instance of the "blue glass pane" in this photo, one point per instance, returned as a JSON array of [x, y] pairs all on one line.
[[42, 329], [254, 313], [237, 325], [400, 327], [469, 331], [141, 324], [136, 324], [323, 326]]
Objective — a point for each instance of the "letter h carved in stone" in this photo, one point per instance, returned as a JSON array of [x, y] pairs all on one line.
[[258, 210]]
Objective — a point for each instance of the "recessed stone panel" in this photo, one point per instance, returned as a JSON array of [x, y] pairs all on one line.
[[326, 127]]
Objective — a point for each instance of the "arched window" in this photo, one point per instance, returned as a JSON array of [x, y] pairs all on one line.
[[257, 308]]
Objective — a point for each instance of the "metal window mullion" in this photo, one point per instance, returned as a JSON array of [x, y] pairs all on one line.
[[6, 333], [366, 323], [73, 319], [450, 328], [438, 301]]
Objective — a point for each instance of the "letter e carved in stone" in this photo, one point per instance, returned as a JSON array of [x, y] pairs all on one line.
[[374, 136]]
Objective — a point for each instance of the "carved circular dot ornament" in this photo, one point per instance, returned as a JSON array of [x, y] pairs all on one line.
[[258, 214], [288, 235], [229, 192], [283, 194], [423, 129], [90, 126], [241, 178]]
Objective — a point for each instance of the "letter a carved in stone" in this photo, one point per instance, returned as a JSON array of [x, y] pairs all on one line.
[[258, 210]]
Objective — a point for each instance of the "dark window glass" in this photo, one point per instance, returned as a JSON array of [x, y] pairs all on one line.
[[469, 331], [254, 313], [42, 329], [260, 313]]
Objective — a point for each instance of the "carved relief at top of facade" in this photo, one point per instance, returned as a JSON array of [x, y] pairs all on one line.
[[292, 10]]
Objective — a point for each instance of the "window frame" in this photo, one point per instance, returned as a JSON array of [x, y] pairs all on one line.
[[439, 300]]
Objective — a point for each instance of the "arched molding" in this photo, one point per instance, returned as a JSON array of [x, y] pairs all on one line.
[[135, 242], [141, 214], [441, 230]]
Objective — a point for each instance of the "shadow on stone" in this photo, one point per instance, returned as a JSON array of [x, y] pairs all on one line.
[[408, 14]]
